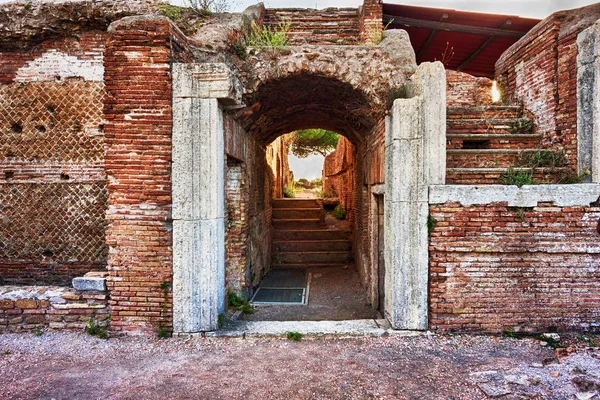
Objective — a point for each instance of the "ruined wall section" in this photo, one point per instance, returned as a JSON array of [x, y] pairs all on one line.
[[339, 26], [540, 70], [464, 90], [52, 181], [495, 267], [339, 175]]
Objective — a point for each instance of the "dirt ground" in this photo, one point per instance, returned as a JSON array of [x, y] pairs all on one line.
[[77, 366]]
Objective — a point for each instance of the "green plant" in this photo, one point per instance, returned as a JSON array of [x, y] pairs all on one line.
[[339, 212], [293, 335], [163, 332], [237, 303], [313, 141], [221, 320], [38, 332], [373, 35], [542, 159], [516, 177], [289, 192], [266, 37], [510, 333], [174, 13], [521, 214], [431, 224], [7, 352], [27, 6], [590, 342], [522, 125], [96, 330]]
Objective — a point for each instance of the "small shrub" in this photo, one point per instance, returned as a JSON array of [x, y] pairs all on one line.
[[38, 332], [542, 159], [163, 332], [521, 125], [295, 336], [95, 330], [221, 320], [339, 212], [431, 224], [517, 178], [237, 303], [289, 192], [266, 37]]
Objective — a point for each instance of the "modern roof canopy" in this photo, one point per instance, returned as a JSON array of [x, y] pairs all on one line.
[[464, 41]]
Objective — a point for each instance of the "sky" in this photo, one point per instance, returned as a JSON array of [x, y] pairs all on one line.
[[309, 167]]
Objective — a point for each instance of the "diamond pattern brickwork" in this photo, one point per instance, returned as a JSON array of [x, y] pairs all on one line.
[[52, 121]]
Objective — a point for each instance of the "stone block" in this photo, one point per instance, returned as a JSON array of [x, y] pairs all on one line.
[[35, 319], [6, 304], [208, 81], [89, 284], [26, 303]]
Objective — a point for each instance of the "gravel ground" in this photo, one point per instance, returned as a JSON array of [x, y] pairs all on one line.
[[78, 366]]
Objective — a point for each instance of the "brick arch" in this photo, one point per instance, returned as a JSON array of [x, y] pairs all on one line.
[[341, 88]]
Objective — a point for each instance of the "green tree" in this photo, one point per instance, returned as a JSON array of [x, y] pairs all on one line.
[[313, 141]]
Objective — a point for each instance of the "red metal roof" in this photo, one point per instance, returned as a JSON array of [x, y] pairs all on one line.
[[455, 37]]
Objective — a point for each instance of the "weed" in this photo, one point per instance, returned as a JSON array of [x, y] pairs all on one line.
[[27, 6], [339, 212], [237, 303], [521, 214], [95, 330], [266, 37], [38, 332], [163, 332], [221, 320], [289, 192], [510, 333], [373, 35], [174, 13], [521, 125], [7, 352], [569, 177], [590, 342], [431, 224], [517, 178], [293, 335], [551, 342], [542, 159]]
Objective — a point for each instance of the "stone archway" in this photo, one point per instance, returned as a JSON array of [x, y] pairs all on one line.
[[415, 135]]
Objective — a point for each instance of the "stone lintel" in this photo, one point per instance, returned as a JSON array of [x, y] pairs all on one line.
[[207, 81], [527, 196]]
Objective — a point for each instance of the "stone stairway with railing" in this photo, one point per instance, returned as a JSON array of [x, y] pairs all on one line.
[[302, 239], [483, 142]]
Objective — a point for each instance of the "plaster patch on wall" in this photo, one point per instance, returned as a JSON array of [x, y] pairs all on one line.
[[54, 63]]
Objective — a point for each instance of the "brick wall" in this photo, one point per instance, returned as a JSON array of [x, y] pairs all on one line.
[[370, 21], [467, 90], [138, 166], [52, 182], [29, 309], [540, 71], [494, 267], [339, 175], [317, 27]]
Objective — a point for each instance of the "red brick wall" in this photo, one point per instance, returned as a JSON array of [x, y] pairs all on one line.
[[494, 267], [52, 182], [138, 165], [541, 71], [339, 175], [371, 21], [467, 90], [317, 27]]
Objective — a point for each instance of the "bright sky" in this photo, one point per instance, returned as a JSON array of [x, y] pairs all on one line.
[[309, 167]]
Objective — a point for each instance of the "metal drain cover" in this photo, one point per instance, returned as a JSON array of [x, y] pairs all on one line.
[[265, 295]]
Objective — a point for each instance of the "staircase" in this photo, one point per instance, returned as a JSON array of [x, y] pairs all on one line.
[[302, 239], [484, 141]]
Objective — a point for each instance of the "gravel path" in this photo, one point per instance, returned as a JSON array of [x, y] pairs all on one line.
[[78, 366]]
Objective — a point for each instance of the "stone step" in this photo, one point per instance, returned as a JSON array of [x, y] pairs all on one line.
[[298, 224], [311, 245], [484, 158], [297, 213], [492, 141], [488, 126], [296, 203], [316, 257], [491, 176], [310, 234], [484, 112]]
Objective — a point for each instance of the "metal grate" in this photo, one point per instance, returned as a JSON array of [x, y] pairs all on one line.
[[266, 295]]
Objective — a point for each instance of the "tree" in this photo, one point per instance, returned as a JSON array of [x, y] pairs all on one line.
[[313, 141]]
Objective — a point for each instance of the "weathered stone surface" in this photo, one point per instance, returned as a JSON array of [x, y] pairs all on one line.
[[89, 284], [396, 44], [588, 102], [526, 196], [26, 303]]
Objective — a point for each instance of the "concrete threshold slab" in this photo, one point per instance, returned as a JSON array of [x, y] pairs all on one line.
[[348, 328]]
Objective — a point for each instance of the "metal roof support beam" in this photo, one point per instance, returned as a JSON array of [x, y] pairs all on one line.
[[482, 47], [444, 26]]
